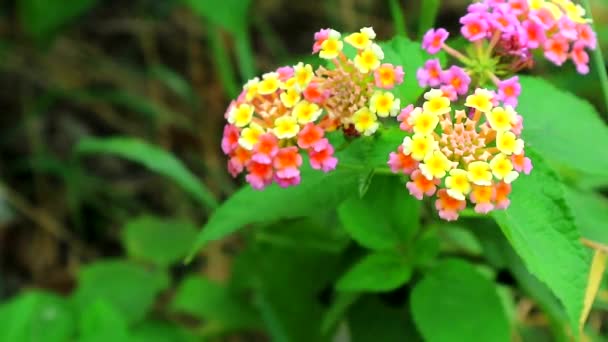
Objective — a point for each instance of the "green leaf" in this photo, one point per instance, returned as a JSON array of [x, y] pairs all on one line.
[[211, 301], [337, 310], [100, 321], [152, 157], [127, 287], [428, 14], [408, 54], [539, 226], [232, 15], [455, 302], [371, 320], [317, 192], [158, 240], [160, 331], [41, 18], [455, 238], [386, 217], [377, 272], [590, 212], [563, 128], [36, 316]]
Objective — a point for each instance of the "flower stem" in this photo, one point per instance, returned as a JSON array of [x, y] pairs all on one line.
[[456, 54], [598, 58]]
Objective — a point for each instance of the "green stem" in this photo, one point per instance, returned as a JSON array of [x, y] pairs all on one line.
[[398, 18], [598, 58], [222, 62], [244, 55]]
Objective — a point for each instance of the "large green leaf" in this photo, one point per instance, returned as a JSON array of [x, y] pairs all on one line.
[[563, 128], [377, 272], [590, 211], [386, 217], [408, 54], [152, 157], [101, 321], [317, 192], [455, 302], [42, 18], [371, 320], [161, 241], [127, 287], [37, 316], [161, 331], [539, 226]]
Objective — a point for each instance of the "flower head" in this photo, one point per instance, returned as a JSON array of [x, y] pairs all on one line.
[[430, 74], [433, 40], [388, 76]]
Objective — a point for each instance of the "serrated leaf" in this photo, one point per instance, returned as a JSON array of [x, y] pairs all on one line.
[[539, 226], [158, 240], [376, 272], [563, 128], [455, 302], [152, 157], [125, 286], [590, 211], [317, 192], [386, 217]]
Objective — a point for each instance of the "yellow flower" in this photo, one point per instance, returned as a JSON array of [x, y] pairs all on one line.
[[251, 88], [436, 103], [365, 121], [435, 165], [481, 100], [241, 116], [303, 75], [362, 39], [502, 168], [419, 146], [290, 97], [575, 12], [479, 173], [250, 136], [536, 4], [501, 119], [290, 84], [332, 46], [458, 184], [555, 11], [285, 127], [425, 123], [508, 143], [269, 84], [369, 59], [306, 112], [384, 104]]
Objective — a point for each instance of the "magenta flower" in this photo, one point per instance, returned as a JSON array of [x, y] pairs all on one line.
[[474, 26], [433, 40], [509, 90], [456, 77], [430, 74], [285, 73], [266, 148], [323, 159], [580, 58], [556, 49], [587, 36], [403, 116], [230, 139], [320, 37], [534, 34]]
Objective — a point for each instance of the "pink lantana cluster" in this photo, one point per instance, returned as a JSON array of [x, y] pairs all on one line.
[[474, 153], [505, 33], [287, 112]]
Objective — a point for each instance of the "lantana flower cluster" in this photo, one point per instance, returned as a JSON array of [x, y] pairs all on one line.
[[287, 112], [505, 34], [469, 155]]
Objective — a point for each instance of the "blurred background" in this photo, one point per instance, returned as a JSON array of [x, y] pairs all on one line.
[[72, 220]]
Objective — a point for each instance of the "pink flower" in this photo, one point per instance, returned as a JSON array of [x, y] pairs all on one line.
[[433, 40], [403, 116], [320, 37], [456, 77], [399, 162], [503, 21], [266, 148], [287, 163], [323, 159], [315, 94], [534, 34], [387, 76], [447, 206], [509, 90], [521, 163], [474, 26], [285, 182], [260, 175], [311, 136], [230, 139], [580, 57], [430, 74], [556, 49], [518, 7], [477, 7], [238, 159], [449, 92], [586, 35], [419, 185], [544, 18], [518, 125], [501, 195], [567, 28], [285, 73]]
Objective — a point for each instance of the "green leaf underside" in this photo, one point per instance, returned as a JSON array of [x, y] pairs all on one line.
[[377, 272], [539, 226], [317, 193], [563, 128], [152, 157], [455, 302]]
